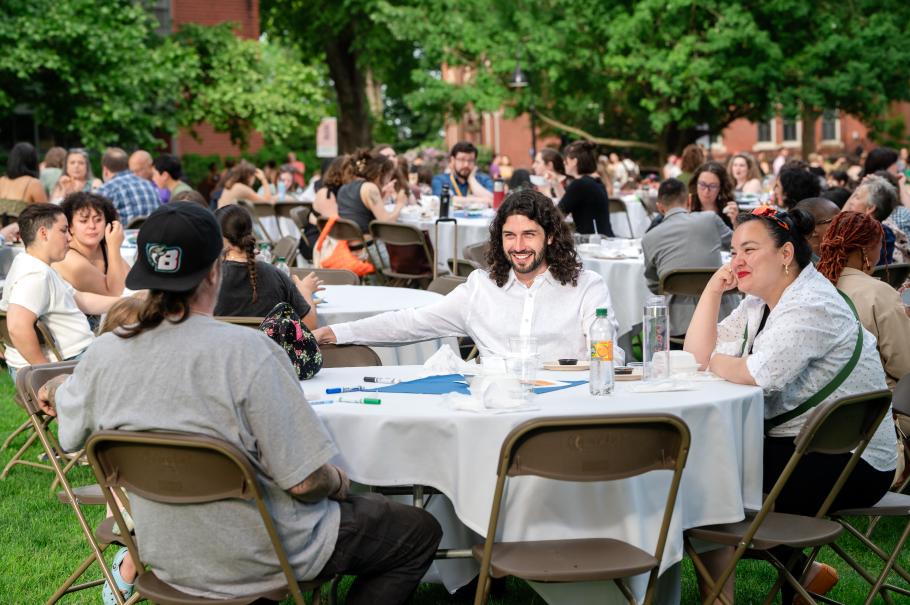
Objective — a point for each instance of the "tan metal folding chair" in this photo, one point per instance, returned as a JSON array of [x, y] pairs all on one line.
[[588, 449], [180, 469], [617, 206], [10, 210], [462, 267], [241, 320], [301, 217], [838, 427], [894, 274], [136, 222], [28, 381], [329, 277], [398, 234], [284, 210], [446, 283], [46, 339], [685, 282], [477, 253], [894, 504], [348, 356], [258, 212], [286, 248]]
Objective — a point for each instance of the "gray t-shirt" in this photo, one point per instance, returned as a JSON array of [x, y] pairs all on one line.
[[230, 382]]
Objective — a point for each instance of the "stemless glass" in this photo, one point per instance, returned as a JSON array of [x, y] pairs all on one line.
[[523, 361]]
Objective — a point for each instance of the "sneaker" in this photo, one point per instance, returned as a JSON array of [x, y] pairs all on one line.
[[125, 588]]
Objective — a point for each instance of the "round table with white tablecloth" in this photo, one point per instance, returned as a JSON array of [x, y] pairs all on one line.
[[421, 439], [625, 279], [349, 303]]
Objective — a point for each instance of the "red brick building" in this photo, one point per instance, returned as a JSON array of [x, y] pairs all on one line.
[[245, 13]]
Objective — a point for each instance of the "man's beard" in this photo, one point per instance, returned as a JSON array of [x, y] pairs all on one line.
[[537, 259], [464, 174]]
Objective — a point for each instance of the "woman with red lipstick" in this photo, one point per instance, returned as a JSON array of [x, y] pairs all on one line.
[[793, 335]]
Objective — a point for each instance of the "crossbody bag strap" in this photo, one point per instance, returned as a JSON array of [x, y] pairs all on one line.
[[832, 386]]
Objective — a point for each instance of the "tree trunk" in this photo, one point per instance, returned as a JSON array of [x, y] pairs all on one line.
[[809, 116], [350, 91]]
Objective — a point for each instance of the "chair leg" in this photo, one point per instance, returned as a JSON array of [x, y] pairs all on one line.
[[69, 585], [626, 592], [874, 548], [706, 576], [791, 580], [17, 457], [880, 582], [22, 428]]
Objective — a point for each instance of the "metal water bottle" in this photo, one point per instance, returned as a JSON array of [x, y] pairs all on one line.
[[601, 338], [499, 193], [445, 199], [656, 339]]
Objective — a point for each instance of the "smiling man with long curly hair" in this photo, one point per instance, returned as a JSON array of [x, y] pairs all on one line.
[[535, 287]]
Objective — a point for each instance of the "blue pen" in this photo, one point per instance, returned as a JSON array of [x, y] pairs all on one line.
[[336, 390]]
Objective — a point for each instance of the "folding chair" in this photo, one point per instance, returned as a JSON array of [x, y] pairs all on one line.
[[10, 210], [348, 231], [46, 339], [399, 235], [258, 212], [462, 267], [286, 248], [329, 277], [617, 206], [685, 282], [445, 284], [28, 381], [348, 356], [136, 222], [180, 469], [241, 320], [895, 503], [301, 217], [477, 253], [894, 274], [589, 448], [838, 427], [284, 210]]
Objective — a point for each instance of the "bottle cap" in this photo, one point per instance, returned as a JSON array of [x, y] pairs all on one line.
[[601, 312], [281, 259]]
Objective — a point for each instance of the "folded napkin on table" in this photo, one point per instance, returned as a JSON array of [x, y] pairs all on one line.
[[491, 395], [446, 361]]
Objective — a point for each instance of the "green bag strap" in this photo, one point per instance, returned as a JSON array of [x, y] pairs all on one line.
[[829, 388]]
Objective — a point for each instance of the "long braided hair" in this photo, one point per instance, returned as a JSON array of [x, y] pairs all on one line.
[[849, 231], [237, 228]]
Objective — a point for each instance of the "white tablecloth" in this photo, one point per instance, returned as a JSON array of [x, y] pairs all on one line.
[[422, 441], [471, 230], [628, 289], [349, 303]]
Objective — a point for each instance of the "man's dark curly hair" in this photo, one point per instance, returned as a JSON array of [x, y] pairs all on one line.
[[560, 255]]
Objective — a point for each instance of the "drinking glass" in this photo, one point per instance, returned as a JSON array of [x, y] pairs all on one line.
[[522, 362]]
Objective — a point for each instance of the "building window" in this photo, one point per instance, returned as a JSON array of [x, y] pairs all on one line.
[[766, 132], [830, 125], [161, 10], [790, 133]]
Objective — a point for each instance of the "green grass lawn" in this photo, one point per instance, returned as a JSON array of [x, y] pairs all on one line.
[[40, 543]]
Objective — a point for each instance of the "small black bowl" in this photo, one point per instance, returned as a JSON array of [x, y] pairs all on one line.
[[568, 362]]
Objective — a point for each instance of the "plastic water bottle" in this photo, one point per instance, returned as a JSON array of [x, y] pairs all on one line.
[[264, 254], [282, 266], [656, 338], [601, 338], [445, 198], [282, 191]]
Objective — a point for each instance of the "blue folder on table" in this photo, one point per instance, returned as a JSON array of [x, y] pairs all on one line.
[[452, 383]]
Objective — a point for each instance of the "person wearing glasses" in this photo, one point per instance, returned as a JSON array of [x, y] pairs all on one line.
[[711, 190], [466, 184], [802, 342], [823, 211]]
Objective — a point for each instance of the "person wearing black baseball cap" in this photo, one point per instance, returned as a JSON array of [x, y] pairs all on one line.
[[179, 369]]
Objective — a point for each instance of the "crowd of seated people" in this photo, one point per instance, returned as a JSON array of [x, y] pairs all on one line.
[[803, 261]]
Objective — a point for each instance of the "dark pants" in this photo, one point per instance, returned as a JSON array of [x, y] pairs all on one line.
[[810, 484], [387, 545]]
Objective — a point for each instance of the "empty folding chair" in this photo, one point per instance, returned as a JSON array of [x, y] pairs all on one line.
[[329, 277], [590, 448], [348, 356]]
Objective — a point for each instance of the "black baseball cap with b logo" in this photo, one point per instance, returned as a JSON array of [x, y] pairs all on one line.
[[177, 245]]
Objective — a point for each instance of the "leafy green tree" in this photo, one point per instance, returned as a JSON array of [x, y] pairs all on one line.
[[98, 74]]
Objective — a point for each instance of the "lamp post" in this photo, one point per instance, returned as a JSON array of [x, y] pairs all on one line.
[[518, 81]]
